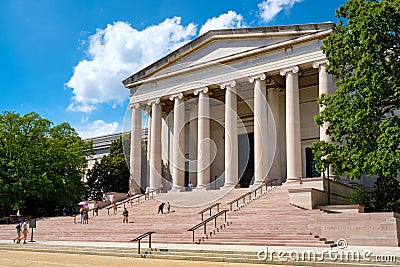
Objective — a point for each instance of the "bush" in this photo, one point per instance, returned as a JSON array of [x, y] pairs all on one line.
[[361, 197]]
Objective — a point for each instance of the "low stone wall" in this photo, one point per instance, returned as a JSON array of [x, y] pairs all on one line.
[[314, 192], [342, 208], [339, 189], [358, 229], [309, 198]]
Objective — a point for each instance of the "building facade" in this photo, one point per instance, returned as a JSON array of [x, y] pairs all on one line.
[[232, 107]]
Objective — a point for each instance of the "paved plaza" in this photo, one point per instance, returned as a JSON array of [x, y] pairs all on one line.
[[65, 253]]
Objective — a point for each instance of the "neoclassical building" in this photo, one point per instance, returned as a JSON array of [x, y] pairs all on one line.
[[231, 107]]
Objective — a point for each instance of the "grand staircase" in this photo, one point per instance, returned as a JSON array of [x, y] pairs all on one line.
[[267, 220]]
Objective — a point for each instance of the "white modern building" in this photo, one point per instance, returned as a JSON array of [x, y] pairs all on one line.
[[232, 107]]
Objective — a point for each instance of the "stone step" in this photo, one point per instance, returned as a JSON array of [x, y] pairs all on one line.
[[210, 255], [271, 217]]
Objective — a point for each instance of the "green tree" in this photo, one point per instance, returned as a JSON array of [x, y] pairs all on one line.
[[363, 115], [111, 174], [41, 165], [361, 197]]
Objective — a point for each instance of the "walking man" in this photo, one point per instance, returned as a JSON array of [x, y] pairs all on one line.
[[96, 208], [24, 228], [126, 214], [18, 237]]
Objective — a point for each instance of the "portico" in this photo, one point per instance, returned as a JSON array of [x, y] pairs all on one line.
[[231, 107]]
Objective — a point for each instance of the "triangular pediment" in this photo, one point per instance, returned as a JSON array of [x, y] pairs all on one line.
[[217, 45], [219, 49]]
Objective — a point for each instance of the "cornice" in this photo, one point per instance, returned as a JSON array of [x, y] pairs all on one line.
[[283, 44]]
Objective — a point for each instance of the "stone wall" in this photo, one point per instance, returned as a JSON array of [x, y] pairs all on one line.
[[358, 229], [314, 192]]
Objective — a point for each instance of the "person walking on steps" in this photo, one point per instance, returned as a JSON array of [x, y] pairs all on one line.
[[125, 213], [18, 237], [96, 208], [115, 208], [161, 208]]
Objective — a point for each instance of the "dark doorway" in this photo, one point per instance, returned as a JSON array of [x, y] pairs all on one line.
[[311, 171], [187, 173], [248, 174]]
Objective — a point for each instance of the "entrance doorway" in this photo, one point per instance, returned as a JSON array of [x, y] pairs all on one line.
[[311, 171], [246, 159]]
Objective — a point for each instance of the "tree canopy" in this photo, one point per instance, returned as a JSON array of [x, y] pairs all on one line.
[[41, 164], [363, 114], [111, 174]]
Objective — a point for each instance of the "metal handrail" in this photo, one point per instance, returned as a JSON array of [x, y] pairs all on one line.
[[209, 208], [133, 198], [139, 238], [214, 217], [248, 194]]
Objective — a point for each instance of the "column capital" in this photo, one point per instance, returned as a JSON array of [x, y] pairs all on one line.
[[293, 69], [260, 76], [317, 64], [135, 105], [147, 111], [228, 84], [153, 101], [201, 90], [179, 95]]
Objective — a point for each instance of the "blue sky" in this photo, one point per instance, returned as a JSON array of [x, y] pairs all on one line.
[[65, 59]]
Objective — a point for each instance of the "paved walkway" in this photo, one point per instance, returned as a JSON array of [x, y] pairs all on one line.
[[29, 258], [40, 259]]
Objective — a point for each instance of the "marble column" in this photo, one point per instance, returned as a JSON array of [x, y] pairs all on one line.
[[260, 129], [193, 125], [136, 149], [147, 112], [323, 88], [178, 152], [203, 139], [274, 135], [155, 145], [293, 141], [231, 135]]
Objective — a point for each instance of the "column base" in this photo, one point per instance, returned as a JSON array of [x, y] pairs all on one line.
[[201, 187], [228, 186], [294, 180], [178, 189]]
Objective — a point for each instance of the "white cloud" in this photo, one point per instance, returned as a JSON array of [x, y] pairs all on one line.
[[118, 51], [270, 8], [224, 21], [98, 128]]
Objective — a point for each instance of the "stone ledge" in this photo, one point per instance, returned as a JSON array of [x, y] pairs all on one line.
[[342, 208]]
